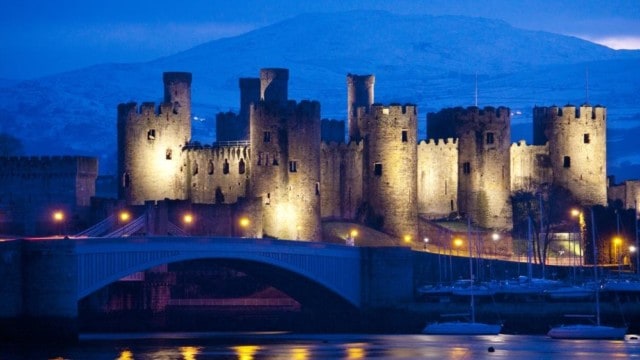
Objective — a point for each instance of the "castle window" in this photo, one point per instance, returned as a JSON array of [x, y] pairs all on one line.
[[268, 201], [377, 169], [225, 167], [169, 154], [195, 168], [466, 168], [241, 167], [126, 180], [587, 139], [293, 166], [151, 134], [260, 158], [267, 136], [567, 162], [490, 138], [210, 168], [275, 160], [405, 136], [317, 188]]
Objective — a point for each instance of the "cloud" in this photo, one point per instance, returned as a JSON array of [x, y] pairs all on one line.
[[615, 42]]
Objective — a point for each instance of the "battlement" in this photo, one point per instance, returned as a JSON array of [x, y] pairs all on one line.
[[522, 145], [357, 80], [219, 151], [393, 109], [48, 164], [342, 146], [145, 109], [304, 107], [176, 77], [570, 112], [488, 114]]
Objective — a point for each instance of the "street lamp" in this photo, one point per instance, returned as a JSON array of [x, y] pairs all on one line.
[[426, 241], [632, 252], [123, 218], [407, 239], [58, 219], [495, 237], [244, 223], [187, 219], [457, 243], [351, 239], [617, 241]]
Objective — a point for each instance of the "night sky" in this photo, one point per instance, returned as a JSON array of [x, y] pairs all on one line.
[[43, 37]]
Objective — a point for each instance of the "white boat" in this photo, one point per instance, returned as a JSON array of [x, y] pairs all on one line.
[[589, 331], [470, 327]]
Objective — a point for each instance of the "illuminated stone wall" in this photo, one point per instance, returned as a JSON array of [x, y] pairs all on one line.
[[577, 149], [217, 175], [390, 168], [628, 192], [341, 180], [437, 177], [150, 144], [530, 166]]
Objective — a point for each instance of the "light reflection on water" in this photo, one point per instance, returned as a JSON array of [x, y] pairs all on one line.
[[282, 346]]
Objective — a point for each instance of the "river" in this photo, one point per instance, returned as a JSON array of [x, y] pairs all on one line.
[[293, 346]]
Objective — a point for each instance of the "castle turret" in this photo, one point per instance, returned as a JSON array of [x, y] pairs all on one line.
[[360, 93], [577, 149], [274, 85], [232, 127], [484, 180], [150, 142], [390, 168]]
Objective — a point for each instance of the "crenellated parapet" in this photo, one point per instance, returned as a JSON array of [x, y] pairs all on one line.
[[577, 148]]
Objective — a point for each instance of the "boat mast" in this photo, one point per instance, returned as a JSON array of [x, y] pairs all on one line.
[[473, 310], [529, 249], [595, 267]]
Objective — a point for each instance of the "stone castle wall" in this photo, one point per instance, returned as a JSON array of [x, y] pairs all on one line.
[[530, 166], [577, 149], [437, 177], [391, 167], [217, 175], [341, 180]]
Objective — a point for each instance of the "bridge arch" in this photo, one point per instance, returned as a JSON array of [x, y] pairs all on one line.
[[309, 272]]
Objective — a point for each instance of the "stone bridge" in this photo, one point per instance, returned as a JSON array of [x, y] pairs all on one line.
[[43, 279]]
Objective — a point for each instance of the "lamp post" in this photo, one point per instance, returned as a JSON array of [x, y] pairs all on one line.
[[244, 223], [495, 237], [123, 218], [58, 219], [633, 251], [187, 219], [351, 240], [426, 241], [457, 243]]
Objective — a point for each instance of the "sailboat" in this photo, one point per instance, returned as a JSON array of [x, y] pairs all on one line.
[[470, 327], [589, 331]]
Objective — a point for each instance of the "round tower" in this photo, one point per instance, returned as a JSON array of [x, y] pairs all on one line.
[[391, 168], [285, 148], [577, 150], [249, 93], [484, 180], [150, 142], [274, 85], [359, 94]]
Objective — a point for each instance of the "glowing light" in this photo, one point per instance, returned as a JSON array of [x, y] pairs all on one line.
[[457, 242], [58, 216], [244, 221], [426, 240], [495, 236], [353, 233], [632, 249], [299, 354], [189, 352], [124, 216], [355, 351], [407, 238], [246, 352], [125, 355], [187, 219], [617, 241], [575, 212]]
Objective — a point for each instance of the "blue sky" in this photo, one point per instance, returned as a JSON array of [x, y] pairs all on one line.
[[42, 37]]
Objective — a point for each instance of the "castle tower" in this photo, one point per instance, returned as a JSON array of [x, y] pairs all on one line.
[[484, 180], [577, 149], [274, 85], [359, 94], [285, 148], [391, 168], [150, 142], [249, 93]]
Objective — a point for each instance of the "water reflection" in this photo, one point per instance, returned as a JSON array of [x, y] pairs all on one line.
[[245, 352]]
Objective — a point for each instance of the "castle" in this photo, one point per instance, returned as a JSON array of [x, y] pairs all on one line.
[[287, 179]]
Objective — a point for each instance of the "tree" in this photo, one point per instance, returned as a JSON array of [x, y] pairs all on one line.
[[547, 208], [10, 145]]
